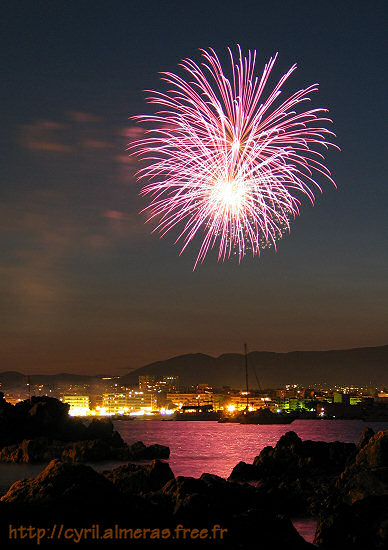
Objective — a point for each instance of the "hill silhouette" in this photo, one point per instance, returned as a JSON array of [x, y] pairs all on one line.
[[359, 366]]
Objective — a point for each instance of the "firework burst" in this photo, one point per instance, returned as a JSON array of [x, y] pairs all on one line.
[[225, 159]]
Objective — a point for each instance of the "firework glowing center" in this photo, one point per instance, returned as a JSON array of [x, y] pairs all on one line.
[[227, 196], [226, 161]]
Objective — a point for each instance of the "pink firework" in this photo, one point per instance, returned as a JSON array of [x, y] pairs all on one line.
[[225, 160]]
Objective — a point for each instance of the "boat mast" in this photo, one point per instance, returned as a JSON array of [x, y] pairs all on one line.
[[246, 375]]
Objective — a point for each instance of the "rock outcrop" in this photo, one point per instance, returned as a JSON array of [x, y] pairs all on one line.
[[297, 474], [356, 514], [147, 496], [292, 476], [140, 479], [48, 417], [367, 475], [358, 526], [40, 430], [292, 457], [139, 451], [61, 481], [43, 450]]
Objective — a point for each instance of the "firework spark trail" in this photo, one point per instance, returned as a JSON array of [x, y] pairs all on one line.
[[226, 162]]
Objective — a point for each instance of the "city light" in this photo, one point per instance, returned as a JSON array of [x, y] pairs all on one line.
[[79, 411]]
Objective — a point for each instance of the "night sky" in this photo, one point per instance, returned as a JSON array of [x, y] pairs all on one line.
[[85, 286]]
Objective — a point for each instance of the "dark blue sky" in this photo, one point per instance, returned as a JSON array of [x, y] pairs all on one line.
[[84, 286]]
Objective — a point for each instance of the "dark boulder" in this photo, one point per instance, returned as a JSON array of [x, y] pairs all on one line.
[[157, 451], [262, 529], [193, 500], [46, 410], [297, 476], [368, 474], [48, 417], [244, 472], [77, 496], [87, 451], [5, 407], [139, 451], [365, 437], [31, 450], [375, 453], [180, 487], [292, 457], [137, 479], [359, 526], [358, 483], [61, 481], [231, 498], [42, 449], [100, 429]]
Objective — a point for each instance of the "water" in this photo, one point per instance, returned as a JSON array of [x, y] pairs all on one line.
[[212, 447], [198, 447], [306, 527]]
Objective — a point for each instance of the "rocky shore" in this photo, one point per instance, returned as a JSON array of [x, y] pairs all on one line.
[[40, 430], [343, 485], [149, 497]]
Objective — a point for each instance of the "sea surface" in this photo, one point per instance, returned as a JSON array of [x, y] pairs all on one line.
[[197, 447]]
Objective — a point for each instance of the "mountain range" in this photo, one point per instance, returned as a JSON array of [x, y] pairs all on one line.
[[359, 366]]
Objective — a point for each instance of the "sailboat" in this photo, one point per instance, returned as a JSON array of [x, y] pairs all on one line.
[[261, 416]]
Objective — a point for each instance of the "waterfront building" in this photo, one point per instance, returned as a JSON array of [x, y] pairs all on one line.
[[115, 403], [181, 399], [239, 402], [126, 403], [79, 404], [139, 401]]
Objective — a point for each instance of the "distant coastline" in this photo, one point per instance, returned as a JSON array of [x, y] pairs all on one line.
[[359, 366]]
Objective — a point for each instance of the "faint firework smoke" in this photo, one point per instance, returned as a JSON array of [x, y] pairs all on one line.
[[225, 160]]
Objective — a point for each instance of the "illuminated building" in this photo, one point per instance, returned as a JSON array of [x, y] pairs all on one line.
[[142, 401], [125, 403], [337, 397], [293, 404], [171, 382], [146, 382], [180, 399], [79, 404], [149, 383], [115, 403], [184, 399], [239, 402]]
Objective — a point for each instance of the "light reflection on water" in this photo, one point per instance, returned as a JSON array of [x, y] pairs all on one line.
[[306, 527], [198, 447]]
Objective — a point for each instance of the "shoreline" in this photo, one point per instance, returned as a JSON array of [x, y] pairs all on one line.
[[292, 483]]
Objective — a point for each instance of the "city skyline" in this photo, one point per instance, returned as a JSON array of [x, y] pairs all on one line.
[[85, 287], [357, 367]]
